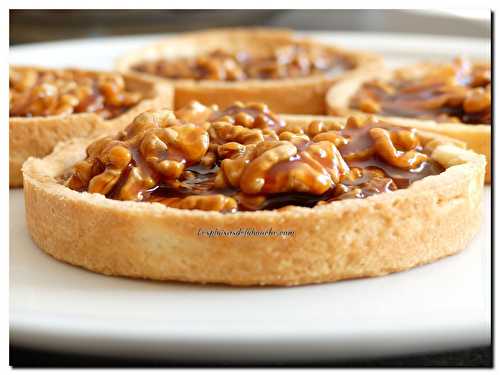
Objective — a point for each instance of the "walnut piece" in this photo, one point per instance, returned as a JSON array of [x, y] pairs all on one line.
[[251, 115], [282, 166], [386, 145], [223, 132], [196, 113]]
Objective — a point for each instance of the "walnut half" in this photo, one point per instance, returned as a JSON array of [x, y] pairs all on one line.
[[387, 142], [282, 166]]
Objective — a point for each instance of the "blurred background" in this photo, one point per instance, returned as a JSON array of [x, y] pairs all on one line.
[[30, 26]]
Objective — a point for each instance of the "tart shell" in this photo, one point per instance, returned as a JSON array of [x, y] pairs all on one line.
[[304, 95], [476, 137], [433, 218], [37, 136]]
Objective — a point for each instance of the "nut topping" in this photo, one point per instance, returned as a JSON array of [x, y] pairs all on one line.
[[290, 61], [281, 166], [64, 92], [150, 150], [454, 92], [252, 115], [253, 177], [228, 164]]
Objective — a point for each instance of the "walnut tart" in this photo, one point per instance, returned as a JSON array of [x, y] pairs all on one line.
[[242, 196], [290, 74]]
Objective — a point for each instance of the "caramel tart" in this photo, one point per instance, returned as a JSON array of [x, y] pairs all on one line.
[[243, 196]]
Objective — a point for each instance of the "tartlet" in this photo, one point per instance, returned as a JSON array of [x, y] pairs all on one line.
[[48, 106], [457, 96], [181, 196], [273, 66]]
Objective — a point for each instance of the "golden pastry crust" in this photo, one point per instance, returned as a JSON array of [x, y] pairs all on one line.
[[433, 218], [37, 136], [477, 137], [300, 95]]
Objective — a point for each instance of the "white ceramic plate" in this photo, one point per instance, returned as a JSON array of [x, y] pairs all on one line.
[[441, 306]]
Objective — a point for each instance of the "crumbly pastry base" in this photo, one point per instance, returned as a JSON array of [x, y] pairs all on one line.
[[476, 137], [37, 136], [433, 218], [302, 95]]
